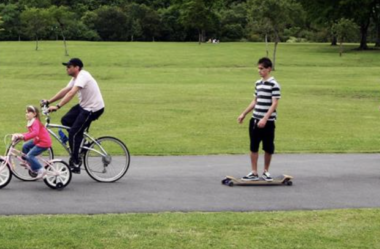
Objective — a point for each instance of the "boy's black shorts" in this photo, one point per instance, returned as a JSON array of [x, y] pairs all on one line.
[[266, 135]]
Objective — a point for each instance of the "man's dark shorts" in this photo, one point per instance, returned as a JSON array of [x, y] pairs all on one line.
[[265, 135]]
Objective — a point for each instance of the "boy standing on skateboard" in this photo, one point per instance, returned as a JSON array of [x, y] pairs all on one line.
[[262, 123]]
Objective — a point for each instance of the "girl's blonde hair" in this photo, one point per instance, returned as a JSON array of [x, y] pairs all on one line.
[[35, 110]]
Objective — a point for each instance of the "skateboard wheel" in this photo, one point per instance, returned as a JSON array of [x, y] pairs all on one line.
[[230, 183], [289, 183]]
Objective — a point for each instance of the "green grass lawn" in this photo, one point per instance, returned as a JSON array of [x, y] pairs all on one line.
[[182, 98], [294, 229]]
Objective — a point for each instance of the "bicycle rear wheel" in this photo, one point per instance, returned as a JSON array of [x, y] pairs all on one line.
[[22, 172], [107, 159], [5, 174]]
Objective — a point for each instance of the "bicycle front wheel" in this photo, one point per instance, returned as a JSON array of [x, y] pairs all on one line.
[[5, 174], [107, 159], [21, 171]]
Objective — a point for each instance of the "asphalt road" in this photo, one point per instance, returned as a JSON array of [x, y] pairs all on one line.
[[193, 183]]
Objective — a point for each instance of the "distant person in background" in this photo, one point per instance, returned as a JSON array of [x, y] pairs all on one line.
[[262, 123]]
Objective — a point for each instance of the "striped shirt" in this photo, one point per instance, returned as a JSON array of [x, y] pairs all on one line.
[[264, 92]]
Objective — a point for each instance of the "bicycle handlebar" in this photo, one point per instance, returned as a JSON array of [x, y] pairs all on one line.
[[45, 110]]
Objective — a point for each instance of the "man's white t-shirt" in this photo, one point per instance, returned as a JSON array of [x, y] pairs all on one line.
[[90, 97]]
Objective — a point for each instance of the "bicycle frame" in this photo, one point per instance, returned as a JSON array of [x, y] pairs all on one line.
[[83, 146], [97, 153], [12, 152]]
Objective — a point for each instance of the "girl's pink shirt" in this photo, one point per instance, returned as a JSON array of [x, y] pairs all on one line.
[[40, 135]]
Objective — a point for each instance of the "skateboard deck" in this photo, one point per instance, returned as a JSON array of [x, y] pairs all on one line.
[[278, 180]]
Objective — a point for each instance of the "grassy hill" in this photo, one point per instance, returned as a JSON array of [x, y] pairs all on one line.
[[184, 98]]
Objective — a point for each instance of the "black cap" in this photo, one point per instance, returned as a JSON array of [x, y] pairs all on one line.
[[73, 62]]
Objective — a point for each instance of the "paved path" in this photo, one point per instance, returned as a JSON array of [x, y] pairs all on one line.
[[192, 183]]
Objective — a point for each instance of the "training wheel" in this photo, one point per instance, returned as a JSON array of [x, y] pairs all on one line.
[[59, 185]]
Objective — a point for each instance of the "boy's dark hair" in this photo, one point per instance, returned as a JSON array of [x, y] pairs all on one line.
[[266, 62]]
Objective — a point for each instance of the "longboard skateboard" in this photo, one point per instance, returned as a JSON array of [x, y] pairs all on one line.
[[278, 180]]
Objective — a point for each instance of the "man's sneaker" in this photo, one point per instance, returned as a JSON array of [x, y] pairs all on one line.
[[75, 166], [41, 173], [250, 177], [267, 177]]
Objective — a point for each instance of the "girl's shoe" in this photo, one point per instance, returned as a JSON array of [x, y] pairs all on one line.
[[41, 173]]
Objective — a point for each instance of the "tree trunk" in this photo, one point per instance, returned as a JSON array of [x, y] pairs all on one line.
[[376, 18], [65, 45], [276, 41], [334, 41], [363, 33], [199, 37], [341, 48], [36, 43], [266, 45], [377, 43]]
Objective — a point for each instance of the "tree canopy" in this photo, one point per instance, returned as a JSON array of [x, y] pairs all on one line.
[[188, 20]]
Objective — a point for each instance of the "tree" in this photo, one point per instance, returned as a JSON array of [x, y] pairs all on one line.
[[88, 21], [150, 23], [344, 30], [233, 21], [360, 12], [134, 13], [63, 19], [323, 13], [35, 22], [277, 14], [34, 3], [171, 29], [195, 14], [330, 12], [12, 24], [111, 24]]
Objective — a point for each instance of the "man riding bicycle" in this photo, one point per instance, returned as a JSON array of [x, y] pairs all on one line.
[[79, 118]]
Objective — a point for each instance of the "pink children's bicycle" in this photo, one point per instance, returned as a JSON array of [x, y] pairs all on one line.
[[58, 173]]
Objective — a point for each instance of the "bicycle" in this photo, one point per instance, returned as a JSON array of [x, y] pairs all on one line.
[[105, 159], [58, 173]]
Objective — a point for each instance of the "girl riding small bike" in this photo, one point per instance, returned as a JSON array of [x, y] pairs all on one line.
[[40, 143]]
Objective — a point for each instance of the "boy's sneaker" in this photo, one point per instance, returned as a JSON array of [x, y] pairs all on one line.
[[267, 177], [41, 173], [250, 177]]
